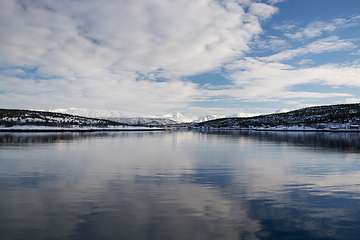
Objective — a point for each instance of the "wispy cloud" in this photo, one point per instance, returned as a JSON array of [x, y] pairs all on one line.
[[316, 29], [272, 43], [284, 27], [305, 61], [263, 11], [257, 80], [355, 53], [275, 1], [329, 44], [353, 100]]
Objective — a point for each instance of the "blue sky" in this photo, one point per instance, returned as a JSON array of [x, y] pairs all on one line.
[[155, 57]]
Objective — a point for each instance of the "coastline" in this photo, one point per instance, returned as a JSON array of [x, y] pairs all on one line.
[[288, 130], [308, 130], [77, 129]]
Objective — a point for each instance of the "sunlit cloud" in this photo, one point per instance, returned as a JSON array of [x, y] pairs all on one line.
[[263, 11]]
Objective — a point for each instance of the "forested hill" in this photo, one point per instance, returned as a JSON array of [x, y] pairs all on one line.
[[11, 117], [333, 116], [338, 116]]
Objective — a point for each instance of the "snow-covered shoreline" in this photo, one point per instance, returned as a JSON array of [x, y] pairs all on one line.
[[305, 130], [30, 128], [284, 129]]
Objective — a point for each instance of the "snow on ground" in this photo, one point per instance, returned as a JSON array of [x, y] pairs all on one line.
[[78, 128], [287, 128]]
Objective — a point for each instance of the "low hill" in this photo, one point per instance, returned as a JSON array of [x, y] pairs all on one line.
[[333, 116], [11, 117]]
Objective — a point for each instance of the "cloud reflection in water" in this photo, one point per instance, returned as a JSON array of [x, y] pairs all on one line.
[[179, 185]]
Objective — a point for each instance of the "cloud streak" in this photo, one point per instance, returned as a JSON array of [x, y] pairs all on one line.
[[329, 44], [256, 79], [318, 28]]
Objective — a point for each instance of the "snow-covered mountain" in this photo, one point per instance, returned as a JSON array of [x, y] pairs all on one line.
[[136, 118], [143, 121], [343, 116]]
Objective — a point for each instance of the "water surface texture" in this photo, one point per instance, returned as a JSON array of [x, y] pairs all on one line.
[[180, 185]]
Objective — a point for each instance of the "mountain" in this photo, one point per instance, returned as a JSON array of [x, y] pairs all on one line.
[[143, 121], [207, 118], [333, 116], [99, 113], [341, 116], [11, 117], [135, 118]]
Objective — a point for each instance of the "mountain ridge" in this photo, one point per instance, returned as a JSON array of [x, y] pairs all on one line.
[[340, 116], [23, 117], [136, 118], [336, 116]]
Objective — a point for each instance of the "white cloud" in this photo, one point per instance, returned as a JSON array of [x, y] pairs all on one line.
[[314, 29], [329, 44], [273, 43], [275, 1], [111, 54], [12, 71], [108, 54], [172, 38], [305, 61], [355, 53], [263, 11], [284, 27], [126, 95], [353, 100], [276, 44], [261, 81]]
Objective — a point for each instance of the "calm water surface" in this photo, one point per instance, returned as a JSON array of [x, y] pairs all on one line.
[[180, 185]]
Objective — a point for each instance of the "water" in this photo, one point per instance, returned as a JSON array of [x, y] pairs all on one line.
[[180, 185]]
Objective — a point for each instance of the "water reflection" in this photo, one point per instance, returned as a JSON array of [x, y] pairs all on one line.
[[324, 140], [317, 140], [179, 185]]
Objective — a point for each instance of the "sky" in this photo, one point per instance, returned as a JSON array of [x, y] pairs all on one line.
[[194, 57]]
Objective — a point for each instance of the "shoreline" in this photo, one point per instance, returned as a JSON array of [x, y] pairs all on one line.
[[134, 129], [288, 130], [306, 130], [82, 130]]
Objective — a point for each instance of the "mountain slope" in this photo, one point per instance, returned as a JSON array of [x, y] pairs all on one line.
[[10, 117], [339, 116]]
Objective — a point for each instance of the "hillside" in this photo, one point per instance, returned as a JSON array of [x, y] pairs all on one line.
[[11, 117], [143, 121], [319, 117], [133, 118], [344, 116]]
